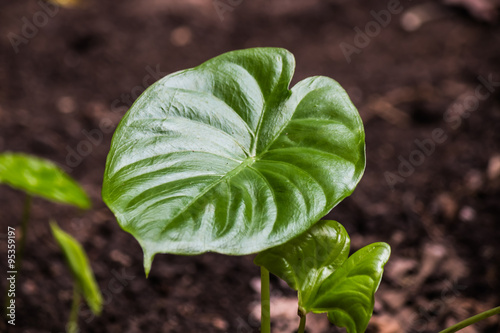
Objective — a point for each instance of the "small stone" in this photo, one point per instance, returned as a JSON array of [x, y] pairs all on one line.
[[415, 17], [494, 167], [447, 205], [394, 299], [397, 238], [386, 324], [467, 214], [121, 258], [220, 323], [181, 36], [66, 104], [474, 180], [398, 268], [255, 284], [29, 287]]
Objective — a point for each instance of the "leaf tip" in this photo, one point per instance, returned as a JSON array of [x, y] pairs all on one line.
[[96, 305], [54, 227], [86, 204], [385, 251], [148, 261]]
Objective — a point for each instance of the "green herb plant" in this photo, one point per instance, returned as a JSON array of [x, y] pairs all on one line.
[[42, 178], [225, 158]]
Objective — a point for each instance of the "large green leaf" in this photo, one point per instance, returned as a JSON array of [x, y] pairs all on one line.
[[316, 265], [42, 178], [80, 267], [224, 157]]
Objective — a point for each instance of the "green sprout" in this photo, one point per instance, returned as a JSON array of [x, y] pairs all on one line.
[[42, 178]]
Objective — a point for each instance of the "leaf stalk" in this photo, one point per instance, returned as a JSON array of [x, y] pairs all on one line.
[[302, 325], [265, 301], [72, 326], [472, 320]]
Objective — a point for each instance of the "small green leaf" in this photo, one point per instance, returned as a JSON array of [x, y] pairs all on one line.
[[80, 267], [42, 178], [309, 258], [348, 294], [316, 265], [224, 157]]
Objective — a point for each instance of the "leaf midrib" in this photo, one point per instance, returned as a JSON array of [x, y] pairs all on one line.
[[253, 148], [252, 153], [247, 162]]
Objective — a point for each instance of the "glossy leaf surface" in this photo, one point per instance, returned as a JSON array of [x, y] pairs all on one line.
[[42, 178], [80, 267], [309, 259], [224, 157], [348, 294], [316, 265]]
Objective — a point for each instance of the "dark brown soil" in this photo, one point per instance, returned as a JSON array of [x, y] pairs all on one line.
[[442, 220]]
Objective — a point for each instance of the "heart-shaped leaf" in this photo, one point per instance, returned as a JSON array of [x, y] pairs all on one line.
[[42, 178], [316, 265], [224, 157], [80, 267]]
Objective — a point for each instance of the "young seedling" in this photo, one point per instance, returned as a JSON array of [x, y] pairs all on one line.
[[224, 157], [318, 266], [85, 284]]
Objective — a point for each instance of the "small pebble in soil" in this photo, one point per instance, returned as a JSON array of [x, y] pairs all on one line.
[[181, 36], [494, 167], [467, 214], [220, 323], [66, 104], [120, 257], [446, 205], [474, 180], [29, 287]]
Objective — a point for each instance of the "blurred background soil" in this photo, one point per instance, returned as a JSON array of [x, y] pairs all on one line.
[[70, 82]]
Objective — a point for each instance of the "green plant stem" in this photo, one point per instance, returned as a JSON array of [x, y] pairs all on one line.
[[72, 326], [302, 325], [24, 231], [265, 301], [472, 320]]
